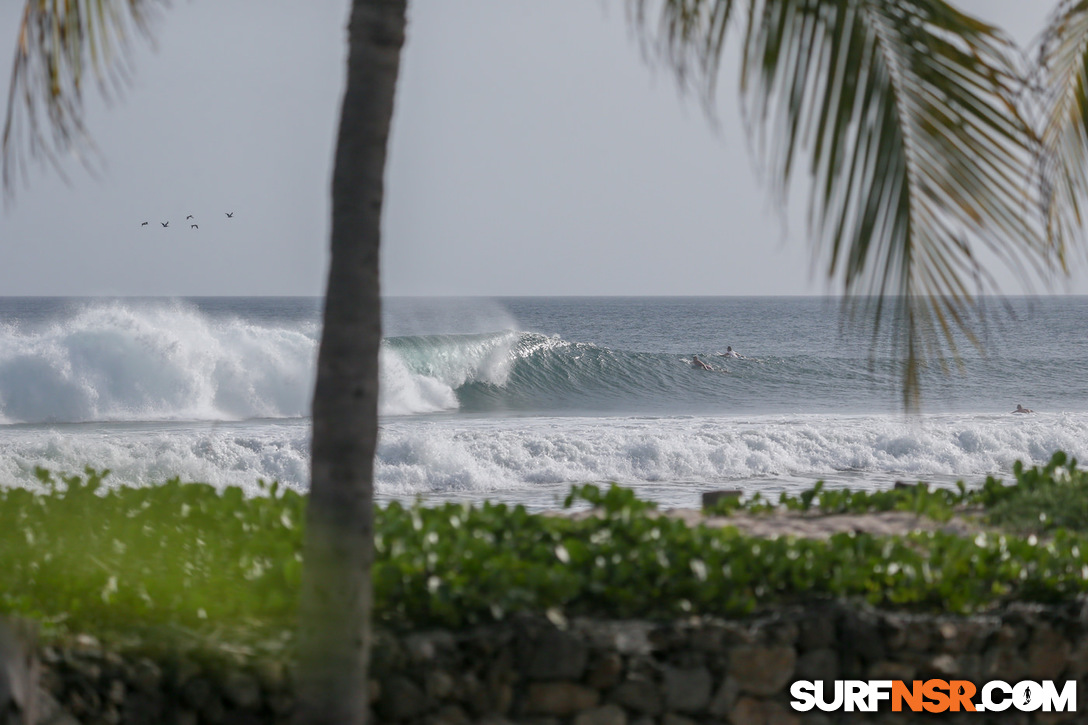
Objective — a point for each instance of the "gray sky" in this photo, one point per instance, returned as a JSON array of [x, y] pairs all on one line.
[[533, 153]]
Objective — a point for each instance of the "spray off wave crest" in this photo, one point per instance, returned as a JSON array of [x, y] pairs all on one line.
[[120, 362]]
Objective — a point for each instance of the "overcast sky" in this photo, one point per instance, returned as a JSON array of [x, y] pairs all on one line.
[[533, 153]]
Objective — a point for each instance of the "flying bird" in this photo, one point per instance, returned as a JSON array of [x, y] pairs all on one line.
[[230, 214], [164, 224], [144, 224], [189, 217], [193, 226]]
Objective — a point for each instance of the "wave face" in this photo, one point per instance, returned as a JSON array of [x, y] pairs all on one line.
[[422, 374], [168, 361], [527, 373]]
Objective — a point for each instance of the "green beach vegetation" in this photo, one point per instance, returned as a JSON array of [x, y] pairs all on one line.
[[182, 564], [1041, 499]]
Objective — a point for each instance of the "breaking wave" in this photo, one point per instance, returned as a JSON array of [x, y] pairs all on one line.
[[119, 362]]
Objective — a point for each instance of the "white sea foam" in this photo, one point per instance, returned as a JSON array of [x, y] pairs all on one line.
[[455, 457], [523, 458], [403, 392], [219, 454], [121, 362]]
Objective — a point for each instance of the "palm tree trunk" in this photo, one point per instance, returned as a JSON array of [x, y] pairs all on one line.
[[336, 596]]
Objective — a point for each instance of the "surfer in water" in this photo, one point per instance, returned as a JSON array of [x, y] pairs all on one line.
[[1022, 409], [699, 364], [729, 352]]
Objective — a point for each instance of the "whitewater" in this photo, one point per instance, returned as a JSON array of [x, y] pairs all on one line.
[[516, 399]]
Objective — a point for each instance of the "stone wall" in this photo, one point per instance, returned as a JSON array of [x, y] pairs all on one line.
[[592, 672]]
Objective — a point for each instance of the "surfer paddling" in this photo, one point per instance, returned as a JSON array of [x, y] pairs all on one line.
[[729, 352], [699, 364], [1022, 409]]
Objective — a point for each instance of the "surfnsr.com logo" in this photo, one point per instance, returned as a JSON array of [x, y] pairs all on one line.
[[933, 696]]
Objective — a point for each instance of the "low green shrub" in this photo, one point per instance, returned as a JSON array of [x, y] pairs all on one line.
[[1044, 499], [187, 560], [455, 564], [175, 558], [920, 499], [1041, 499]]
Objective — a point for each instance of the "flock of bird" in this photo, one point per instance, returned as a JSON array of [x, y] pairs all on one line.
[[165, 224]]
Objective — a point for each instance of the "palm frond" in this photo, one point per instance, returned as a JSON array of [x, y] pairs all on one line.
[[58, 42], [689, 35], [1061, 85], [918, 154]]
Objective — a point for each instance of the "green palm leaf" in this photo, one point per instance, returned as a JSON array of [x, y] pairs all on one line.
[[918, 154], [1062, 85], [690, 36], [58, 40]]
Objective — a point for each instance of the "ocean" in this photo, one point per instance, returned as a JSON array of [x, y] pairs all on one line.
[[515, 399]]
